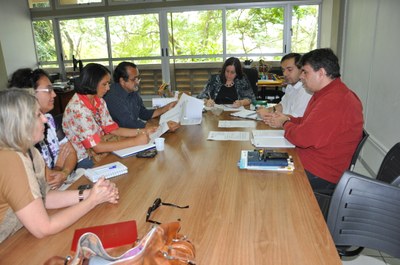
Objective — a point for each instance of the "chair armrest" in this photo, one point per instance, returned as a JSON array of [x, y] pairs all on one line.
[[396, 182]]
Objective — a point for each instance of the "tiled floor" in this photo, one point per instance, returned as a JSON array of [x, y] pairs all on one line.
[[371, 257]]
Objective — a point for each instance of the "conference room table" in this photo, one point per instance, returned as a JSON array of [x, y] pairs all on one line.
[[235, 216]]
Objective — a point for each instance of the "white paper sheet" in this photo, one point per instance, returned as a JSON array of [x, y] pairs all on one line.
[[268, 133], [188, 111], [161, 102], [228, 136], [246, 114], [236, 124]]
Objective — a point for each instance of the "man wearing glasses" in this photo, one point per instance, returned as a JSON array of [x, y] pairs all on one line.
[[124, 102]]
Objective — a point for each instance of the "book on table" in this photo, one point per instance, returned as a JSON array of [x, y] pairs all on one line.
[[108, 171], [111, 235], [265, 160]]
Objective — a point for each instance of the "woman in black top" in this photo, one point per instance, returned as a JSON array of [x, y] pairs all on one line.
[[231, 86]]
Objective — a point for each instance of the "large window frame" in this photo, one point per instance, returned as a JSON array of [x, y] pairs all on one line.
[[166, 58]]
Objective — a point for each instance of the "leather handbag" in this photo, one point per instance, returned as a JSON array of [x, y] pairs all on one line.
[[162, 245]]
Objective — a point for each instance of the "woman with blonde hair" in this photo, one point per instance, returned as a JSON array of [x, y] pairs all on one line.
[[24, 192]]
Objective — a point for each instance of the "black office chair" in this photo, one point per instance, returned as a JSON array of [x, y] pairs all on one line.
[[365, 212], [59, 130], [273, 96], [358, 150], [324, 196], [252, 76], [389, 171]]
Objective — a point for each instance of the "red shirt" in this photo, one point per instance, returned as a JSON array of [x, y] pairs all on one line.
[[329, 131]]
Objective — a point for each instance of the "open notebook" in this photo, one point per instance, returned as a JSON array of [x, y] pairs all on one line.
[[108, 171]]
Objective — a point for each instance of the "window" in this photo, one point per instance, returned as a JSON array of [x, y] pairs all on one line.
[[135, 36], [304, 28], [44, 40], [181, 46], [84, 38], [195, 33], [255, 31]]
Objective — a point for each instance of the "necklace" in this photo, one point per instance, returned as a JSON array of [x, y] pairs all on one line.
[[230, 84]]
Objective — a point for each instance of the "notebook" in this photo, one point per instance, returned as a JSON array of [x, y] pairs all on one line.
[[108, 171], [270, 139], [111, 235]]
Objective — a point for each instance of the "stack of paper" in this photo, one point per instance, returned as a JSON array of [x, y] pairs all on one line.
[[247, 114], [270, 139], [188, 111]]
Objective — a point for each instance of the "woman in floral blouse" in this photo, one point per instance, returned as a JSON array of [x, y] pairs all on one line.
[[87, 122]]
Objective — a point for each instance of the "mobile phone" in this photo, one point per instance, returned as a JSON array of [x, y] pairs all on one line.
[[149, 153]]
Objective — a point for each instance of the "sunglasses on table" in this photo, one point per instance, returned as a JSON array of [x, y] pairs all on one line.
[[157, 203]]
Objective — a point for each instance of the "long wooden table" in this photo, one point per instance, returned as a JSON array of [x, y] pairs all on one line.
[[235, 216]]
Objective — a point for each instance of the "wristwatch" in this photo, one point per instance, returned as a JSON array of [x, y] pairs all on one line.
[[81, 188], [80, 194]]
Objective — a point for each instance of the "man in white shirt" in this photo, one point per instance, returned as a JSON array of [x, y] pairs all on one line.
[[296, 98]]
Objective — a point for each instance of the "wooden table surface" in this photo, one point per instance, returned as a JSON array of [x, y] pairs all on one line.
[[235, 216]]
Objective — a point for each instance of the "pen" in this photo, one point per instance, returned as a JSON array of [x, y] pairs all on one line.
[[209, 96], [112, 167], [228, 98], [251, 114]]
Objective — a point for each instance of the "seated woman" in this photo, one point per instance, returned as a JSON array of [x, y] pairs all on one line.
[[229, 87], [58, 154], [87, 122], [24, 193]]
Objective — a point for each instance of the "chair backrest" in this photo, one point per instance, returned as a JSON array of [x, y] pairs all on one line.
[[390, 166], [252, 76], [365, 212], [358, 150], [59, 130]]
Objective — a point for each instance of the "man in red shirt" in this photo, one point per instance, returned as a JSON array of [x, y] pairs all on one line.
[[331, 127]]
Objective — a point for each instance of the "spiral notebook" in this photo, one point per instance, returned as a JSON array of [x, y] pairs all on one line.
[[108, 171]]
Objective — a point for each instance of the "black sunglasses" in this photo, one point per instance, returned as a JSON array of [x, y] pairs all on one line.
[[157, 203]]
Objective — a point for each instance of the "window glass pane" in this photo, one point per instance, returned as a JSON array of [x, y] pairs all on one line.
[[44, 40], [304, 28], [195, 33], [255, 30], [135, 36], [39, 3], [84, 38]]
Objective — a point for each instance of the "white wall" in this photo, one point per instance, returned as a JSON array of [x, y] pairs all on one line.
[[370, 67], [16, 36]]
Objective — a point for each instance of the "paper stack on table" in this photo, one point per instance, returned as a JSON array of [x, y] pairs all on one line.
[[270, 139]]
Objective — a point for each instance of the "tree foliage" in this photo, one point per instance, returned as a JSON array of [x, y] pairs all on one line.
[[192, 35]]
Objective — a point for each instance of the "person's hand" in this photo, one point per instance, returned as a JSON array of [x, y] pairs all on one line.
[[237, 104], [142, 138], [170, 105], [173, 126], [104, 191], [150, 129], [263, 112], [55, 178], [209, 103], [276, 120], [65, 150]]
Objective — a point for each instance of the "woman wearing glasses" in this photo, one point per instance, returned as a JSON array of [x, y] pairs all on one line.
[[87, 122], [231, 86], [24, 193], [58, 154]]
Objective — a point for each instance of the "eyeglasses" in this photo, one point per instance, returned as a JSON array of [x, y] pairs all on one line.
[[157, 203], [135, 79], [48, 90]]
